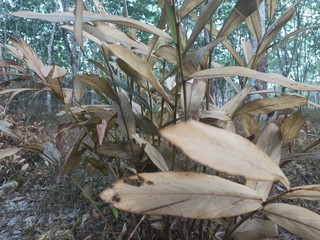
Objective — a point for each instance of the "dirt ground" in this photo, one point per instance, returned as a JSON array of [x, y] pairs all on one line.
[[41, 208]]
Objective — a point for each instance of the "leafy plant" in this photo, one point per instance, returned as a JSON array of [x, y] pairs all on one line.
[[120, 135]]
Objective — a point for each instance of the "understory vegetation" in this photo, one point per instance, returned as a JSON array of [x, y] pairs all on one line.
[[190, 126]]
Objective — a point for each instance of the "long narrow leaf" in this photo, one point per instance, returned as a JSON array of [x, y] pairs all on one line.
[[186, 194]]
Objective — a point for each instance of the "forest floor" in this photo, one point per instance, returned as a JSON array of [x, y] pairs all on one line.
[[40, 208]]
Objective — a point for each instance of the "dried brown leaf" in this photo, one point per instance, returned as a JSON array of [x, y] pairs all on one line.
[[291, 127], [270, 142], [246, 72], [195, 90], [255, 229], [8, 152], [300, 221], [119, 150], [186, 194], [224, 151], [267, 105], [309, 192], [152, 153]]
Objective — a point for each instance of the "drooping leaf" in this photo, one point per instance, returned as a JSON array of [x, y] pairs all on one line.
[[267, 105], [309, 192], [255, 229], [152, 153], [140, 65], [8, 152], [9, 63], [186, 194], [246, 72], [110, 34], [270, 142], [99, 84], [90, 16], [223, 151], [26, 54], [53, 77], [300, 221]]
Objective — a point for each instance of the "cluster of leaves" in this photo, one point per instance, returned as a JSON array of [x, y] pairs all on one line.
[[144, 88]]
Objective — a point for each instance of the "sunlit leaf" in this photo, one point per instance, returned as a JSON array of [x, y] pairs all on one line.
[[267, 105], [152, 153], [186, 194], [246, 72], [223, 151], [300, 221]]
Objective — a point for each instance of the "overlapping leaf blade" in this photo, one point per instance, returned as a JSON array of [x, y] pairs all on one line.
[[224, 151]]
